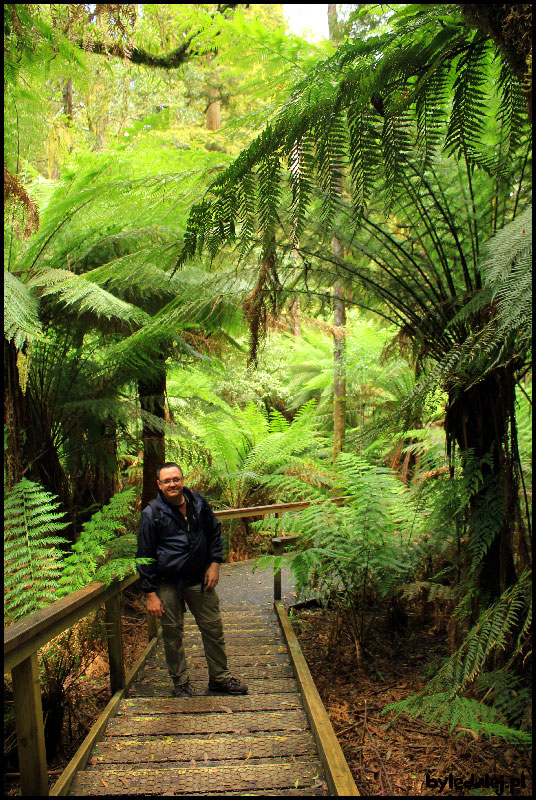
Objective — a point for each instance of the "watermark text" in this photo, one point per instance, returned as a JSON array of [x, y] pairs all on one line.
[[487, 781]]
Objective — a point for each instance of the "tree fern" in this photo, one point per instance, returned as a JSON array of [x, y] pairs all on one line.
[[33, 560], [507, 293], [105, 548], [21, 318], [442, 702], [393, 74], [353, 547], [243, 445], [85, 296]]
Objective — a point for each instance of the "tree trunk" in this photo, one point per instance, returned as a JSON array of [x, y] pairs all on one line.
[[68, 110], [105, 481], [339, 311], [481, 422], [339, 372], [333, 23], [13, 420], [68, 100], [152, 400], [213, 118], [295, 317], [31, 451]]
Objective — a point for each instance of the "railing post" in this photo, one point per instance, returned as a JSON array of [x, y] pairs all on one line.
[[152, 630], [277, 548], [112, 609], [30, 731]]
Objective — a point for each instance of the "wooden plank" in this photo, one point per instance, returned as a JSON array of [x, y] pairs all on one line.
[[152, 628], [283, 540], [263, 511], [114, 638], [80, 758], [208, 704], [222, 748], [170, 724], [278, 551], [30, 731], [246, 672], [195, 781], [338, 775], [161, 687], [34, 631]]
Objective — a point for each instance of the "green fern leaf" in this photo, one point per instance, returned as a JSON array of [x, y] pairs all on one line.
[[33, 561]]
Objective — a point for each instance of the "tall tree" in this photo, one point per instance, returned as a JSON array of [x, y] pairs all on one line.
[[339, 309], [58, 30], [389, 107]]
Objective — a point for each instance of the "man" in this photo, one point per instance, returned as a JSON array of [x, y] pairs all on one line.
[[179, 530]]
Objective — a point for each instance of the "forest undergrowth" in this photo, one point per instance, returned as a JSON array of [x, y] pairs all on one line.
[[386, 755], [87, 698], [389, 755]]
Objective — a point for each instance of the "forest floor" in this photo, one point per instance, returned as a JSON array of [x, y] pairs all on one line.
[[387, 755], [399, 756]]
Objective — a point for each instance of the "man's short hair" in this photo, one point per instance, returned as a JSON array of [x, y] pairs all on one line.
[[166, 466]]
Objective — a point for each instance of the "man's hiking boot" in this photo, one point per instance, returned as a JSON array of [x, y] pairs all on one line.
[[182, 690], [228, 686]]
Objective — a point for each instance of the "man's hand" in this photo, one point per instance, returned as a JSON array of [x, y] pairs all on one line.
[[154, 605], [212, 576]]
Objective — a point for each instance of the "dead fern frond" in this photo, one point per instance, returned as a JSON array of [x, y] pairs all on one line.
[[260, 301], [16, 195]]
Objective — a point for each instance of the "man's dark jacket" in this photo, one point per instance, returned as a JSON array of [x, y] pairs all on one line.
[[183, 549]]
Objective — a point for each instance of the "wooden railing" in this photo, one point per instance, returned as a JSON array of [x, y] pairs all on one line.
[[278, 542], [23, 639]]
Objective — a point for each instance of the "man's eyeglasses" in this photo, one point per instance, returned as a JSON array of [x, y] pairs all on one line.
[[172, 480]]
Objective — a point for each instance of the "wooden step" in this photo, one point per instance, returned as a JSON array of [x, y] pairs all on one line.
[[187, 724], [194, 780], [234, 624], [198, 673], [110, 751], [196, 659], [162, 686], [210, 704]]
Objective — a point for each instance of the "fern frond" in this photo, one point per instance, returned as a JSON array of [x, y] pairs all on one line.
[[470, 101], [511, 116], [510, 245], [492, 632], [462, 715], [84, 296], [93, 557], [21, 317], [33, 560]]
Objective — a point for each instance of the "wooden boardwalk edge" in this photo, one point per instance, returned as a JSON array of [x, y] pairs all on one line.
[[338, 775], [79, 760]]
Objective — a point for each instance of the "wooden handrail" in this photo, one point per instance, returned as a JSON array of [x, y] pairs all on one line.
[[24, 638], [34, 631], [276, 508]]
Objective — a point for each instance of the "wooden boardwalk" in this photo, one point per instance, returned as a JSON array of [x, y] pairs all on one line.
[[257, 744]]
